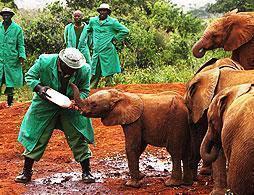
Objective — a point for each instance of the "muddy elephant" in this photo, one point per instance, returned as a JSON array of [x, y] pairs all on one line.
[[233, 32], [157, 119], [231, 131], [199, 93]]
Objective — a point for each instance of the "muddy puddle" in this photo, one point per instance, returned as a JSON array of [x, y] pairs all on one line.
[[115, 167]]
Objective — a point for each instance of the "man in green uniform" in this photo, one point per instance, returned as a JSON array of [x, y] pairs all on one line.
[[105, 31], [12, 54], [74, 35], [56, 72]]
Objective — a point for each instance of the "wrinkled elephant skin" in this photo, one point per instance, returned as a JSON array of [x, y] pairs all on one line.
[[157, 119]]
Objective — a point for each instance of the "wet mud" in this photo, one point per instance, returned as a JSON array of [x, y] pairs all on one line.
[[58, 173]]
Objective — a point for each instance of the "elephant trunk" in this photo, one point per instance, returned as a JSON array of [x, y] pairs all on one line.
[[198, 49], [76, 95], [208, 151]]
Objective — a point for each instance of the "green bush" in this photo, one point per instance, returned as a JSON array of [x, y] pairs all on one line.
[[158, 48]]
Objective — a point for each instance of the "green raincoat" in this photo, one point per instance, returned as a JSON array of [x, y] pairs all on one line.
[[70, 40], [103, 49], [11, 49], [41, 112]]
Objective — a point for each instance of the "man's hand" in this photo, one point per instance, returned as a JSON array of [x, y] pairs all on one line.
[[73, 106], [41, 91], [114, 41]]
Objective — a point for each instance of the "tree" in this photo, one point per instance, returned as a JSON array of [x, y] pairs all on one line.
[[222, 6], [8, 3], [76, 4]]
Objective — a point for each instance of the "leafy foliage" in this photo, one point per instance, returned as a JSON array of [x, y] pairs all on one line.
[[222, 6], [8, 3], [158, 48]]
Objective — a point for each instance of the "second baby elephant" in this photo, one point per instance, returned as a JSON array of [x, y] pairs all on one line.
[[156, 119]]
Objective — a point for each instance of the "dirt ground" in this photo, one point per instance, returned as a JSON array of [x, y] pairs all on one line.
[[58, 173]]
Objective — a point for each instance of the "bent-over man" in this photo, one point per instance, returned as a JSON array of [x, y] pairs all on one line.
[[56, 71]]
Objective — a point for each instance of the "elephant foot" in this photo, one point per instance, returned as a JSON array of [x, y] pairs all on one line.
[[218, 191], [173, 182], [134, 183], [205, 170], [187, 181], [195, 176], [141, 176]]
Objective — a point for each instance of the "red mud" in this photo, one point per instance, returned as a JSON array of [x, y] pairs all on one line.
[[58, 157]]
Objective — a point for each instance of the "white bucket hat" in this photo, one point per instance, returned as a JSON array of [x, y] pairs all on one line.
[[104, 6], [72, 57], [7, 10]]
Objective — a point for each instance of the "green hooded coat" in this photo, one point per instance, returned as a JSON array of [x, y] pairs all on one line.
[[104, 51], [70, 40], [41, 112], [11, 49]]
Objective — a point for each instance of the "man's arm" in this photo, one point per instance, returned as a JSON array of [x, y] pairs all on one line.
[[33, 75], [121, 30], [21, 45], [66, 35], [84, 85]]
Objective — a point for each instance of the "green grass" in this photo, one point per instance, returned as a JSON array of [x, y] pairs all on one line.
[[181, 72], [22, 94], [163, 74]]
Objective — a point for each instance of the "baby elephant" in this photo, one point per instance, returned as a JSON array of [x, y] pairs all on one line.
[[156, 119]]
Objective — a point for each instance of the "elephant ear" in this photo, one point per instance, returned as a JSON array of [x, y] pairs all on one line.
[[234, 11], [230, 63], [221, 102], [200, 92], [240, 30], [208, 63], [127, 108]]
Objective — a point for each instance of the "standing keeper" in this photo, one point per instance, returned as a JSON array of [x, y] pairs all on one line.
[[12, 54], [105, 32]]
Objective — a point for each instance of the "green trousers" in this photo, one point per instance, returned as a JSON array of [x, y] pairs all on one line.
[[75, 139], [96, 78]]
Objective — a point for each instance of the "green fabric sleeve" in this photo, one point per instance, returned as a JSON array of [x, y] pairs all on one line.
[[121, 30], [66, 35], [32, 76], [21, 45], [85, 84]]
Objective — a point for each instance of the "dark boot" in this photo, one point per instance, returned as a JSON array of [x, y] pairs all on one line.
[[86, 174], [9, 100], [26, 175]]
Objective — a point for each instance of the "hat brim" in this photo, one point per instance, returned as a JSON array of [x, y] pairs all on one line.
[[2, 12], [81, 63], [98, 9]]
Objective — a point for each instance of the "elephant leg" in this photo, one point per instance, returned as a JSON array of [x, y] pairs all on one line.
[[176, 177], [187, 171], [206, 169], [197, 134], [195, 158], [133, 155], [219, 175], [134, 148]]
